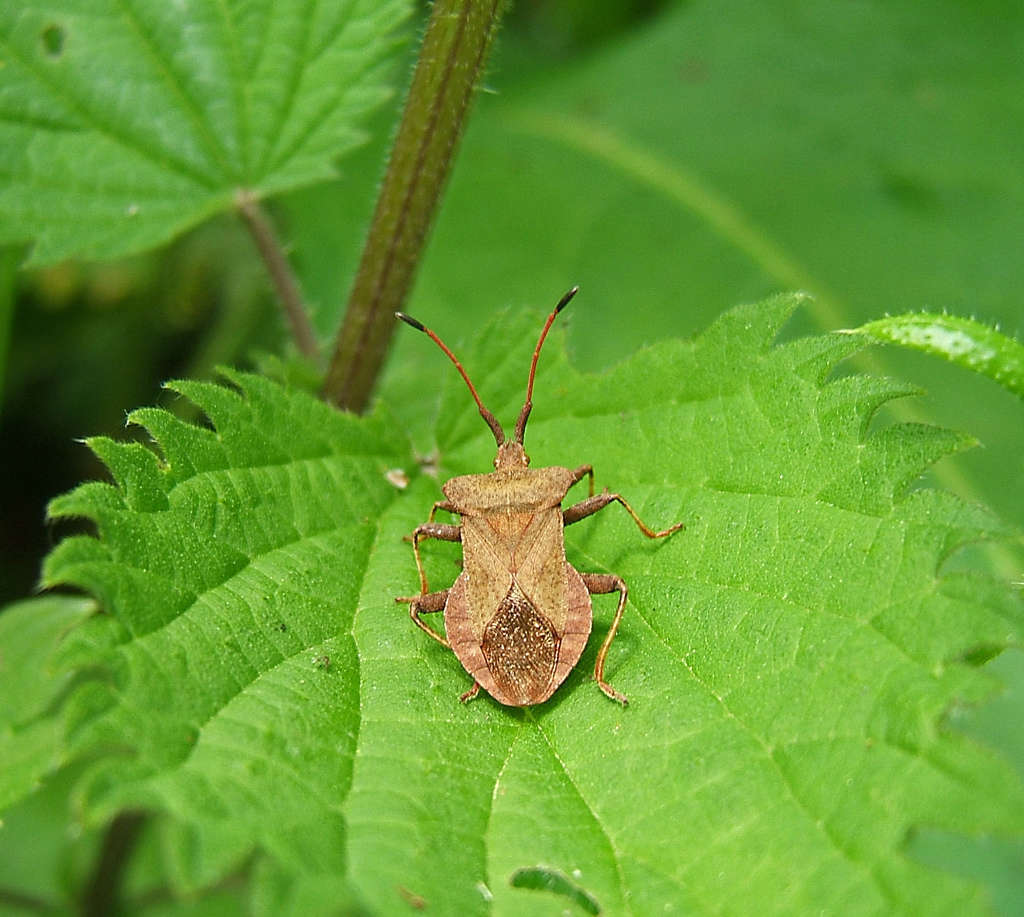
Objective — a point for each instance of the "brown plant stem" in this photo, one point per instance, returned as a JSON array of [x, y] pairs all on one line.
[[451, 60], [280, 270]]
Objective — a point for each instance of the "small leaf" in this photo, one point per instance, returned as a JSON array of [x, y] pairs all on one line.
[[963, 341], [541, 878], [259, 96]]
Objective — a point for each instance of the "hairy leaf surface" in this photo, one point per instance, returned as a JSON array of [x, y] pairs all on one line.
[[789, 657], [254, 96]]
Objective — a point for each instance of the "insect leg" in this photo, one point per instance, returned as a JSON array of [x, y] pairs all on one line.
[[471, 693], [431, 530], [592, 504], [446, 505], [580, 473], [598, 584], [440, 504], [426, 603]]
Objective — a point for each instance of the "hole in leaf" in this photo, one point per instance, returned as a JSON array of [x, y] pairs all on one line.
[[541, 878], [53, 40]]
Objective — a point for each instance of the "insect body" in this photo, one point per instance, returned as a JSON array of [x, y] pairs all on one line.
[[519, 614]]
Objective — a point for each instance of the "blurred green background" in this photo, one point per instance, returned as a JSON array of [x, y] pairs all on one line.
[[673, 159]]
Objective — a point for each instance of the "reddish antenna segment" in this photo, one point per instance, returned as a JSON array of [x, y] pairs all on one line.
[[524, 414], [489, 418]]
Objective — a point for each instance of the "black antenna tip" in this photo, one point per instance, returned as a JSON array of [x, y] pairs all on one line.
[[564, 301], [409, 320]]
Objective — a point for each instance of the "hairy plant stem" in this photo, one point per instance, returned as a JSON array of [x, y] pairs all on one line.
[[451, 60], [280, 270]]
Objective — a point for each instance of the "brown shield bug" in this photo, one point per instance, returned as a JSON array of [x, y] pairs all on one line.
[[519, 614]]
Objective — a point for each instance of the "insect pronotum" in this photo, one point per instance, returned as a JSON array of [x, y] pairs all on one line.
[[519, 614]]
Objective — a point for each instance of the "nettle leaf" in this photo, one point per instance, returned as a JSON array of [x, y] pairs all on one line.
[[789, 657], [232, 572], [260, 96], [964, 341]]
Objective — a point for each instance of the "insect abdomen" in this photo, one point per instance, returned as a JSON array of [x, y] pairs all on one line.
[[521, 648]]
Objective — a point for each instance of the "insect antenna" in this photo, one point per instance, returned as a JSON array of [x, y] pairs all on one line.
[[524, 414], [489, 418]]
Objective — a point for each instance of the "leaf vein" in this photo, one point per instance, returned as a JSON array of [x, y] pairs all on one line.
[[616, 853], [204, 131], [92, 120], [291, 90]]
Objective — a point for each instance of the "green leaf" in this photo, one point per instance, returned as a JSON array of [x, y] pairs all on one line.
[[789, 657], [232, 571], [44, 851], [963, 341], [32, 682], [259, 96], [550, 880]]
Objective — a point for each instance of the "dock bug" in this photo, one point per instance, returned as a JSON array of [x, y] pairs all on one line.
[[519, 614]]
